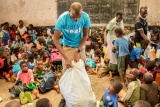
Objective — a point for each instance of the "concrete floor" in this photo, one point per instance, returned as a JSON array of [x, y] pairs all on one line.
[[98, 85]]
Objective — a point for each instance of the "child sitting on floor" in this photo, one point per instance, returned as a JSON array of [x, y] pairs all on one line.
[[5, 70], [135, 55], [26, 76], [45, 58], [122, 45], [15, 57], [16, 67], [150, 90], [110, 97], [31, 61], [29, 44], [99, 60], [43, 102], [141, 103], [150, 66], [39, 71], [13, 104], [133, 92]]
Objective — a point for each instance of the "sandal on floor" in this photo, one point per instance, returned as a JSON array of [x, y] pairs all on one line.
[[22, 98], [29, 97]]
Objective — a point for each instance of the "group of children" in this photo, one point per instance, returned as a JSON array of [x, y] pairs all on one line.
[[27, 55], [144, 62]]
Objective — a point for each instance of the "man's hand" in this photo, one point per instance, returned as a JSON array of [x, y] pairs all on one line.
[[68, 63], [76, 56]]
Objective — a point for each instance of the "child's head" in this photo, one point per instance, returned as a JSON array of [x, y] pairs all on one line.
[[45, 33], [98, 53], [119, 32], [148, 78], [5, 26], [28, 39], [43, 102], [150, 65], [24, 66], [40, 63], [88, 48], [96, 46], [134, 74], [141, 103], [7, 52], [24, 57], [42, 41], [14, 27], [10, 42], [115, 87], [16, 51], [44, 54], [30, 58], [50, 47], [21, 22], [30, 27], [144, 44], [13, 104], [18, 37]]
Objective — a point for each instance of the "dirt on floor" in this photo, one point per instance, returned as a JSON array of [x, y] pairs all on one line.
[[98, 85]]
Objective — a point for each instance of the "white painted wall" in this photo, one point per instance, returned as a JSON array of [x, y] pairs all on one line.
[[36, 12]]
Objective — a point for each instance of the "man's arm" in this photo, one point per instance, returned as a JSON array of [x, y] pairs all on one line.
[[56, 37], [105, 36], [143, 35], [85, 35]]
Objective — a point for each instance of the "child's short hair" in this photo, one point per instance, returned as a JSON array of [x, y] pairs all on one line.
[[23, 62], [117, 86], [98, 52], [43, 102], [148, 78], [144, 42], [31, 25], [42, 53], [135, 72], [88, 47], [141, 103], [119, 31], [16, 50], [30, 56], [150, 65], [13, 104]]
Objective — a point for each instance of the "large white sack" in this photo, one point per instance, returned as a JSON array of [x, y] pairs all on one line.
[[76, 88]]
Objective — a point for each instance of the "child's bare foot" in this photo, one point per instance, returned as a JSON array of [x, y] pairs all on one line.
[[7, 76], [110, 75]]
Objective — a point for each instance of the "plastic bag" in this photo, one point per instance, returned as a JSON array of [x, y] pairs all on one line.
[[76, 88]]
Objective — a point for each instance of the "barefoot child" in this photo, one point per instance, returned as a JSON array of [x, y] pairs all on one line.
[[133, 92], [110, 97], [26, 76], [150, 90], [122, 45], [39, 71]]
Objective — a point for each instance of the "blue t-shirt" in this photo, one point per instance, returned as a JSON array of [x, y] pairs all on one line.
[[110, 100], [72, 30], [123, 46], [136, 54]]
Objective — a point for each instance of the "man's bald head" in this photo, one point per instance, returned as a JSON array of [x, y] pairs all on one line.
[[144, 11], [76, 8], [148, 78]]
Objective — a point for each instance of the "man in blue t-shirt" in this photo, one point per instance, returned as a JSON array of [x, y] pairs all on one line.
[[74, 26]]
